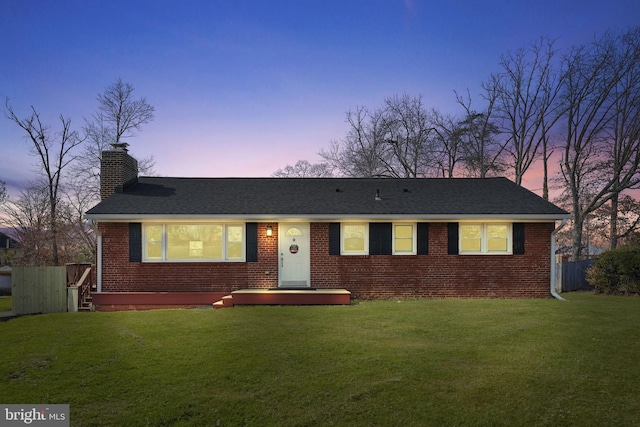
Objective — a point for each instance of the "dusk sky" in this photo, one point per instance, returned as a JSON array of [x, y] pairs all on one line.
[[242, 88]]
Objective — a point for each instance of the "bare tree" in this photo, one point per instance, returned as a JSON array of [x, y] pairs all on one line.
[[396, 141], [304, 169], [123, 114], [627, 217], [623, 134], [448, 135], [29, 217], [483, 152], [600, 154], [119, 116], [408, 138], [79, 199], [86, 168], [526, 105], [54, 153], [359, 153]]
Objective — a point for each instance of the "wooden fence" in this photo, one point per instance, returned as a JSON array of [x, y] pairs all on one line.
[[572, 276], [39, 290]]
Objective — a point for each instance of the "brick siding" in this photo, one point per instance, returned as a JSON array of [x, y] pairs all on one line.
[[370, 276], [118, 169]]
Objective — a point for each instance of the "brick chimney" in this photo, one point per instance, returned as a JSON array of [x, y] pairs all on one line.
[[118, 170]]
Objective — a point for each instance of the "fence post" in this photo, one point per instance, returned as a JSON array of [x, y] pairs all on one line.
[[72, 299], [559, 277]]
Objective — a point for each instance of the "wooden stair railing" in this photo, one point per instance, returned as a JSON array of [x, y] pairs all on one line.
[[84, 291]]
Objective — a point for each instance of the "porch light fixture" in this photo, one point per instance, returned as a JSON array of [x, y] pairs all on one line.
[[269, 231]]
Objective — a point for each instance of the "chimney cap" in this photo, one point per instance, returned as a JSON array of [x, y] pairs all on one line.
[[121, 146]]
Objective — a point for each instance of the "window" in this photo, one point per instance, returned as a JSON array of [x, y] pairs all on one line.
[[497, 238], [376, 238], [470, 238], [153, 242], [235, 242], [355, 239], [293, 231], [485, 238], [404, 239], [193, 242], [188, 242]]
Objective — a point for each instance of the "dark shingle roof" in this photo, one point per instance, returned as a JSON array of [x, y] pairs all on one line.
[[330, 197]]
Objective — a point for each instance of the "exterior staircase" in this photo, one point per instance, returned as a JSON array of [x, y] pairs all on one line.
[[86, 302], [79, 277], [285, 297]]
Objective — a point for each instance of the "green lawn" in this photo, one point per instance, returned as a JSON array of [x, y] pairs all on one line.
[[387, 363]]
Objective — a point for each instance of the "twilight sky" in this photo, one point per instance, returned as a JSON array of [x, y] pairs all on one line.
[[242, 88]]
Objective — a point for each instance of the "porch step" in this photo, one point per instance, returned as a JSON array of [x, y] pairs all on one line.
[[225, 302]]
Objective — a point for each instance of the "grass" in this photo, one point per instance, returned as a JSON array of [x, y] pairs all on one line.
[[409, 363], [5, 304]]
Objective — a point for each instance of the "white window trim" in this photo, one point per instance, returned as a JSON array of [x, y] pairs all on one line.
[[484, 241], [414, 239], [366, 239], [163, 257]]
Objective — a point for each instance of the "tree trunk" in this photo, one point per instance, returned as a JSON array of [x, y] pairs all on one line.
[[54, 232], [545, 176], [613, 226], [576, 250], [578, 225]]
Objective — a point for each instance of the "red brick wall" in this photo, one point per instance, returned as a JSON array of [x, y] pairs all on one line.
[[264, 273], [120, 275], [379, 276], [437, 274], [117, 168]]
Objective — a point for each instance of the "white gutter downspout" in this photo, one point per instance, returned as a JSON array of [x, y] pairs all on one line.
[[553, 261], [99, 262]]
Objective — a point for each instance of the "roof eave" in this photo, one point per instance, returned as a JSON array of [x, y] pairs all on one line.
[[327, 217]]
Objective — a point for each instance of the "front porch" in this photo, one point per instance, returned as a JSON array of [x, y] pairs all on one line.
[[279, 296], [117, 301]]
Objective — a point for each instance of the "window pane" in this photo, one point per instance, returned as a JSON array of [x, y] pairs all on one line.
[[404, 231], [471, 245], [354, 238], [154, 241], [497, 238], [471, 238], [194, 241], [404, 238], [196, 248], [234, 242], [294, 231], [404, 245]]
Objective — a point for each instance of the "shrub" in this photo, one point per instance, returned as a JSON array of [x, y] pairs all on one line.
[[617, 272]]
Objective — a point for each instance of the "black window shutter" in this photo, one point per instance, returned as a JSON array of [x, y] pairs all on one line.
[[251, 242], [452, 233], [334, 238], [518, 238], [423, 238], [135, 242], [380, 238]]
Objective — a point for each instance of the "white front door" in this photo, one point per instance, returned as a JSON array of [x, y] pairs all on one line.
[[295, 258]]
